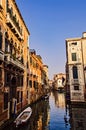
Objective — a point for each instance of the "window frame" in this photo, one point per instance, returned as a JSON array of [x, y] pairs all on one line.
[[74, 57], [76, 87], [75, 72], [5, 101]]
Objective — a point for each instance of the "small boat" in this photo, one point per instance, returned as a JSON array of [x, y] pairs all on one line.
[[46, 96], [23, 117]]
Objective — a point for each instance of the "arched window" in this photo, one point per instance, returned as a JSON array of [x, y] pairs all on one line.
[[6, 45], [75, 72], [6, 42], [11, 46]]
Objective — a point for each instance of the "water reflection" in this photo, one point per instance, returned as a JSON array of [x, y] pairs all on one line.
[[39, 119], [40, 116], [59, 99], [54, 114], [59, 117], [78, 118]]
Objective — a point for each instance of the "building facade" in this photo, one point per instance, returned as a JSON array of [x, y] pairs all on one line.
[[37, 76], [14, 42], [22, 73], [75, 68], [45, 80]]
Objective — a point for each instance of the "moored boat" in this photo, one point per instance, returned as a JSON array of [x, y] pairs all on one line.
[[46, 96], [23, 117]]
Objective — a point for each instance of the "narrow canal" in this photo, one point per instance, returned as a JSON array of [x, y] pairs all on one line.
[[47, 115], [54, 114]]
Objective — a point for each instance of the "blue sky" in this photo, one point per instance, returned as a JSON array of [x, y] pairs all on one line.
[[50, 22]]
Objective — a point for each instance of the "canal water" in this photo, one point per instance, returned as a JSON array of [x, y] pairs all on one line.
[[59, 115], [54, 114]]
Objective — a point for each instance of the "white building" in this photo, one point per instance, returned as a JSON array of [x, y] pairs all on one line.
[[58, 81], [75, 67]]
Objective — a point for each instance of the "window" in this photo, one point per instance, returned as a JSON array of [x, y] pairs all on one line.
[[13, 92], [5, 100], [76, 87], [75, 72], [21, 81], [7, 77], [34, 84], [31, 60], [21, 96], [30, 83], [27, 81], [74, 57], [6, 45], [18, 93], [21, 30], [0, 40], [11, 49], [74, 43]]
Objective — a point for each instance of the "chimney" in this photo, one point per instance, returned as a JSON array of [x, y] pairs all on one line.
[[84, 34]]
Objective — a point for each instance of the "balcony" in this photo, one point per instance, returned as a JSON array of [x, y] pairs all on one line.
[[10, 60], [1, 56], [75, 81], [77, 96], [14, 25]]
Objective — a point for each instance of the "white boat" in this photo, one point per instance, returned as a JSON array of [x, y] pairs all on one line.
[[46, 96], [23, 116]]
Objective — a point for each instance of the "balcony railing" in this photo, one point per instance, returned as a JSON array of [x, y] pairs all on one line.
[[77, 96], [1, 55], [75, 81], [10, 60], [13, 23]]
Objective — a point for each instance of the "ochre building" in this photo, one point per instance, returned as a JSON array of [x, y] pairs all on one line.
[[37, 76], [14, 44]]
